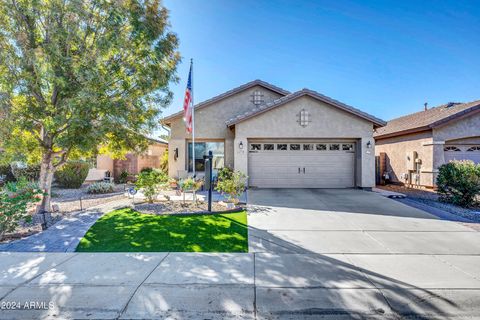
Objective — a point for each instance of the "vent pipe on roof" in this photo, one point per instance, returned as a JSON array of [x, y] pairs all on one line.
[[425, 105]]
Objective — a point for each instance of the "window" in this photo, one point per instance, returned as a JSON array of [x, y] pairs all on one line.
[[257, 98], [201, 149], [268, 147], [255, 147], [308, 147], [475, 148], [347, 147], [451, 148], [334, 147], [294, 146], [282, 146], [321, 147]]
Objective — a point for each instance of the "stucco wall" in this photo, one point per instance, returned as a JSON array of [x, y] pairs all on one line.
[[397, 148], [210, 125], [326, 122]]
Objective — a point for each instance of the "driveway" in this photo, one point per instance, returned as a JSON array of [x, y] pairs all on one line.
[[328, 249]]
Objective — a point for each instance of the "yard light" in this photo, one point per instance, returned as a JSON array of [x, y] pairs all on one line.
[[369, 145], [240, 145], [175, 154]]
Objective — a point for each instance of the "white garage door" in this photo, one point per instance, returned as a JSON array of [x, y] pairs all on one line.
[[458, 152], [301, 164]]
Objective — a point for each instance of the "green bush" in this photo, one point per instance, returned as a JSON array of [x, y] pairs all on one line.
[[147, 169], [189, 184], [164, 161], [151, 182], [225, 174], [6, 172], [100, 188], [72, 174], [458, 182], [123, 177], [233, 186], [15, 199], [31, 172]]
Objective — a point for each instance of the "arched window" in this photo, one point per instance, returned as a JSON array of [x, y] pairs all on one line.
[[474, 148], [451, 148]]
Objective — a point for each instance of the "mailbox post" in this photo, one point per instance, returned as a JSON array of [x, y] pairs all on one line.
[[208, 177]]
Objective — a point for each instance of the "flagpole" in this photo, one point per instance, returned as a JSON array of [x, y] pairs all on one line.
[[193, 123]]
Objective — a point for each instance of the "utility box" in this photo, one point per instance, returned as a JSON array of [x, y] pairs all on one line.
[[411, 160]]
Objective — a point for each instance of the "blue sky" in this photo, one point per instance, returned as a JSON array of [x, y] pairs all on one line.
[[384, 57]]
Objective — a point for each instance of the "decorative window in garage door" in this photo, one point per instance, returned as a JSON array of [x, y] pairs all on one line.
[[474, 149], [321, 147], [294, 146], [255, 146], [282, 146], [451, 148], [268, 147], [334, 147], [347, 146]]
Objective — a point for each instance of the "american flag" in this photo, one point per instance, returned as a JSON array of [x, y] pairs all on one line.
[[187, 103]]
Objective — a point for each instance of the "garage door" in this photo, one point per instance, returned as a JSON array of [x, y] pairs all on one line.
[[301, 164], [461, 152]]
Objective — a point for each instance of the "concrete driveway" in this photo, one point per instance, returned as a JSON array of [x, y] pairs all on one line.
[[356, 252]]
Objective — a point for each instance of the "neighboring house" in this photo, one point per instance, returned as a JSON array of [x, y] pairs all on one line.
[[132, 163], [411, 148], [278, 139]]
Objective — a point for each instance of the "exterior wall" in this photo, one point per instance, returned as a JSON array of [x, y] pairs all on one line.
[[465, 130], [397, 148], [210, 126], [326, 122], [132, 163]]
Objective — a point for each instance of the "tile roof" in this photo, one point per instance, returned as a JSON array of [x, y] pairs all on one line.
[[229, 93], [427, 119], [278, 102]]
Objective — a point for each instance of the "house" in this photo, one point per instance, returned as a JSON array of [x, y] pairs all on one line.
[[278, 139], [132, 163], [411, 148]]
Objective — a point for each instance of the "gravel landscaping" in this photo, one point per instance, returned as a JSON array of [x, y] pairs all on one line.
[[430, 197], [177, 207]]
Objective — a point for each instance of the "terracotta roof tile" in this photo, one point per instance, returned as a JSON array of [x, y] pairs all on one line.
[[427, 119]]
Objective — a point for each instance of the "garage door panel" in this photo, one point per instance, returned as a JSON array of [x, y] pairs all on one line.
[[301, 168]]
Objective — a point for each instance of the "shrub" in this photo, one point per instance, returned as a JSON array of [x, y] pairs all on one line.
[[189, 184], [151, 182], [225, 174], [30, 172], [100, 187], [6, 173], [147, 169], [164, 161], [233, 186], [72, 174], [123, 177], [15, 198], [458, 182]]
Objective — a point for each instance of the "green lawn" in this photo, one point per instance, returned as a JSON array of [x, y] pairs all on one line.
[[127, 230]]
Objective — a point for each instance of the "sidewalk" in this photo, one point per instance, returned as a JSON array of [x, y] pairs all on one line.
[[237, 286], [64, 235]]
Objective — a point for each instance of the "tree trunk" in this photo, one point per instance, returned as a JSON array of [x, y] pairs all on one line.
[[45, 183]]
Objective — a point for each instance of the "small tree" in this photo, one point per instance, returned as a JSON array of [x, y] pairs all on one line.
[[15, 198], [76, 75], [151, 182], [458, 182], [233, 186]]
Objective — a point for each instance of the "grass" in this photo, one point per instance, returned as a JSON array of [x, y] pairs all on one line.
[[126, 230]]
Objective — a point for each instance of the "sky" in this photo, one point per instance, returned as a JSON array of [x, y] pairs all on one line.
[[386, 58]]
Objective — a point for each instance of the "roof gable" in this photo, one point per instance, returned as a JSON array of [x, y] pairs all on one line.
[[428, 119], [304, 92], [230, 93]]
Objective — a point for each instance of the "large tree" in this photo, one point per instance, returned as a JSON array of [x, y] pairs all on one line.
[[78, 74]]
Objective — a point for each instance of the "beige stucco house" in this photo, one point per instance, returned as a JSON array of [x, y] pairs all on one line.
[[131, 163], [278, 139], [411, 148]]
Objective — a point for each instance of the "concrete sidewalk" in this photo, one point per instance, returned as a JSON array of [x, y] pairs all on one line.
[[222, 286]]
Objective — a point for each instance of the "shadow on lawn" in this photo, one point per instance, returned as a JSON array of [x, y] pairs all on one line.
[[129, 231]]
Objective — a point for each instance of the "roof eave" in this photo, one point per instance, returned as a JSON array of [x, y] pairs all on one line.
[[402, 132]]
